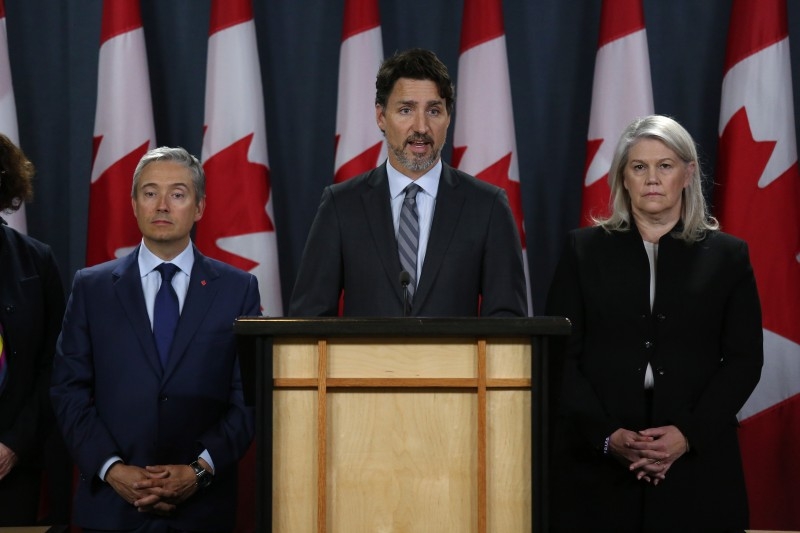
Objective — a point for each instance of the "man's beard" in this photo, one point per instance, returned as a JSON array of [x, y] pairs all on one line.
[[417, 163]]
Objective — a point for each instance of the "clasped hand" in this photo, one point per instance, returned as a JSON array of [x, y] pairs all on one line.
[[649, 453], [8, 459], [153, 489]]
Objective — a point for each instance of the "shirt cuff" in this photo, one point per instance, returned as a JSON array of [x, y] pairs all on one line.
[[205, 456], [107, 465]]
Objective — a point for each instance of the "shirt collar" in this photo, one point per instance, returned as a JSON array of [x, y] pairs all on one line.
[[149, 261], [429, 182]]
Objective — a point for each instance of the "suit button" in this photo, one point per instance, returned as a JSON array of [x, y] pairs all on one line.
[[163, 398], [660, 371], [648, 344], [661, 317], [9, 309]]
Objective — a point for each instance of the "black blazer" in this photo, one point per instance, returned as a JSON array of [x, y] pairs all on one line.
[[473, 263], [703, 339], [31, 308]]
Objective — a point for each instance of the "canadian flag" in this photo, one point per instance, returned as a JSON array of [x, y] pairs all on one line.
[[359, 142], [759, 200], [484, 105], [123, 131], [237, 226], [8, 114], [622, 91]]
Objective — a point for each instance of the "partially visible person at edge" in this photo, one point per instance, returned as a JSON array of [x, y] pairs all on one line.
[[31, 309], [665, 349], [156, 423], [469, 257]]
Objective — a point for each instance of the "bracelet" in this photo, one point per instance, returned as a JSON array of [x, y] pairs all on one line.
[[605, 445]]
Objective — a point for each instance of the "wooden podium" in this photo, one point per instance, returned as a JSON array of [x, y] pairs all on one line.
[[399, 424]]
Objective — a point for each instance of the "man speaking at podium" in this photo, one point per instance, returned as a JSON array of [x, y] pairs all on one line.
[[413, 237]]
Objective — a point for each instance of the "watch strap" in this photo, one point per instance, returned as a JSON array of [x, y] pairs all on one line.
[[203, 476]]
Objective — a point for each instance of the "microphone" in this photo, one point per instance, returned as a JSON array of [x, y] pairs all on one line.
[[405, 279]]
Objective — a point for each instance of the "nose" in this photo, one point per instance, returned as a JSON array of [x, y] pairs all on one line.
[[652, 175], [162, 204], [421, 123]]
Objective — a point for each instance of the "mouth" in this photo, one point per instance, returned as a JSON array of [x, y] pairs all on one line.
[[419, 144]]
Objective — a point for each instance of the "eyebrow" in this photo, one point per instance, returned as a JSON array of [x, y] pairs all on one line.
[[429, 103], [660, 159], [170, 186]]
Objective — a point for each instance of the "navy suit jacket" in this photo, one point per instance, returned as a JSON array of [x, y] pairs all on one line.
[[473, 263], [111, 396]]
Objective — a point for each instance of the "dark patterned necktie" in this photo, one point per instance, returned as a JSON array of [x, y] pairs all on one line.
[[408, 236], [165, 312]]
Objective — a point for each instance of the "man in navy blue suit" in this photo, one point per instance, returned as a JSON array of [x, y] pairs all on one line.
[[156, 437]]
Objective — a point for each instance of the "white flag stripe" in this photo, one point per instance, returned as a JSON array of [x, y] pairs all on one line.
[[780, 375], [486, 129], [260, 247], [615, 104], [361, 57], [767, 106], [8, 107], [8, 119], [123, 100], [233, 77]]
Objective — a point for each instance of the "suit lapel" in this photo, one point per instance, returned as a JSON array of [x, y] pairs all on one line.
[[378, 211], [199, 298], [128, 288], [449, 203]]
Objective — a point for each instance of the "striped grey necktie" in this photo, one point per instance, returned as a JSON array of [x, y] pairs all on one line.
[[408, 236]]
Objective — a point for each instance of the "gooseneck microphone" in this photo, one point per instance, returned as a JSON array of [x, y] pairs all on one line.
[[405, 279]]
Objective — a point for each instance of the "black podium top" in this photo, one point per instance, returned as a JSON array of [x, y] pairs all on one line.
[[411, 326]]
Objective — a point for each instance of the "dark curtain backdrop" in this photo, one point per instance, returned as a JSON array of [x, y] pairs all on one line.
[[551, 46]]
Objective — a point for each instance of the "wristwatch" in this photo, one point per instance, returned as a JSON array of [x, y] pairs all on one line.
[[204, 477]]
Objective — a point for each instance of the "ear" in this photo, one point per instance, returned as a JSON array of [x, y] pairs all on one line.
[[690, 168], [380, 118], [201, 207]]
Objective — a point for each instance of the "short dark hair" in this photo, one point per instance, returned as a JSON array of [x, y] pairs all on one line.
[[16, 176], [415, 64]]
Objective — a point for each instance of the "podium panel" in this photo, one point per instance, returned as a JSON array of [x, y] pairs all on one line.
[[386, 429]]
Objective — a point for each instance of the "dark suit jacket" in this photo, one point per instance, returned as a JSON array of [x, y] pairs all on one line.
[[112, 397], [703, 339], [31, 309], [473, 263]]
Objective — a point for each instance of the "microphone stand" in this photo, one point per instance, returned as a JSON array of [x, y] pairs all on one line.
[[405, 279]]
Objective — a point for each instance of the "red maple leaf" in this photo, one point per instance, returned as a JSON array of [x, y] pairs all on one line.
[[111, 221], [363, 162], [767, 218], [497, 174], [237, 192]]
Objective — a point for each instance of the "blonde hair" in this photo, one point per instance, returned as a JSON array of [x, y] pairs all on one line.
[[694, 212]]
